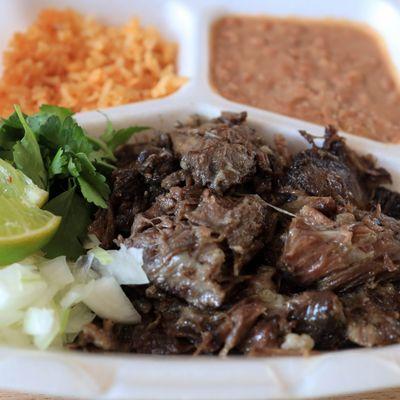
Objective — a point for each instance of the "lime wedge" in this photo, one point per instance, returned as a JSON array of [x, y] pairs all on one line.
[[23, 229], [15, 184]]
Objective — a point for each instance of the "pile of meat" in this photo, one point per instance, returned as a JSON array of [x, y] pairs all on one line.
[[250, 249]]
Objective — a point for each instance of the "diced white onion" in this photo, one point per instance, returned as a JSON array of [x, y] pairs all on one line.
[[76, 294], [125, 265], [39, 321], [57, 272], [294, 341], [10, 317], [21, 286], [48, 302], [108, 301], [79, 316], [103, 256]]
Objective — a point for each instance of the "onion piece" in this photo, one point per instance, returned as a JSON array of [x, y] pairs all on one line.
[[107, 300], [125, 265]]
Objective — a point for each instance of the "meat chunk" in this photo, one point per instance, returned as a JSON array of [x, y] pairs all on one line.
[[335, 171], [320, 315], [320, 173], [177, 203], [325, 205], [186, 241], [239, 319], [389, 202], [135, 185], [232, 118], [127, 199], [373, 315], [266, 335], [179, 257], [197, 133], [269, 331], [150, 144], [241, 222], [94, 336], [342, 253], [184, 260], [220, 166], [368, 173], [178, 178], [223, 153]]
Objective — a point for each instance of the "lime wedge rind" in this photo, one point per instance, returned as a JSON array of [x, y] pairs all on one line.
[[23, 229], [15, 184]]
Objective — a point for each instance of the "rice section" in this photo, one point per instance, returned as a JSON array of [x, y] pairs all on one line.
[[74, 61]]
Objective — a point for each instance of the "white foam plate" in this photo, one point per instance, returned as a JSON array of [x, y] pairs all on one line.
[[148, 377]]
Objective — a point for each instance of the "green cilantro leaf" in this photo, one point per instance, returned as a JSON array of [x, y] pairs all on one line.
[[58, 165], [9, 135], [93, 184], [74, 167], [75, 215], [67, 134], [56, 115], [103, 151], [27, 156], [90, 193], [74, 138], [115, 138], [61, 112], [14, 121]]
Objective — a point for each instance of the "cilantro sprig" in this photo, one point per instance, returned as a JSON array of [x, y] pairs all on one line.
[[59, 156]]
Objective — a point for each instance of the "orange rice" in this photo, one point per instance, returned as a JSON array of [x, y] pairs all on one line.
[[71, 60]]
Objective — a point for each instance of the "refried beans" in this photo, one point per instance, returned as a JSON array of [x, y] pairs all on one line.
[[322, 71]]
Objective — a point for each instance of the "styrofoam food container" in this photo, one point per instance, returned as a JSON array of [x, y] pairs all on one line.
[[115, 376]]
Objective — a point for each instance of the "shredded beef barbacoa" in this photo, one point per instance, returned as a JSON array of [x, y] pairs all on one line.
[[250, 249]]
